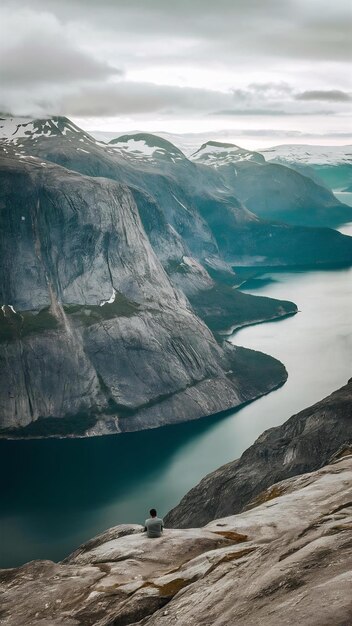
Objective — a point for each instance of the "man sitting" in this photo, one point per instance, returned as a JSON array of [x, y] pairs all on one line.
[[154, 525]]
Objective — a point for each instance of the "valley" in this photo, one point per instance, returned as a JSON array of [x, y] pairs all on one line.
[[123, 262], [114, 479]]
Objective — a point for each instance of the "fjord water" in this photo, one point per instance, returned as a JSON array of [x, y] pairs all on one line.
[[56, 494]]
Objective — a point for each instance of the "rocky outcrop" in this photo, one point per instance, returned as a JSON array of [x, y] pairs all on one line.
[[304, 443], [285, 561], [94, 337]]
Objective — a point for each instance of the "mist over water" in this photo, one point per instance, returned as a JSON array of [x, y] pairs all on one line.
[[58, 493]]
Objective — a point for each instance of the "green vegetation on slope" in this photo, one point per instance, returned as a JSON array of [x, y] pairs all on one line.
[[18, 325], [76, 424], [223, 307]]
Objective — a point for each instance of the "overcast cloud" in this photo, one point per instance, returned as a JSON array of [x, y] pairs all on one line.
[[334, 95], [279, 65]]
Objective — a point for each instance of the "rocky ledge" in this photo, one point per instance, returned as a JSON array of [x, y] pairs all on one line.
[[304, 443], [285, 561]]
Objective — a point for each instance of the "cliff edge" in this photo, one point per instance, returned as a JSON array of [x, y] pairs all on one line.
[[285, 561], [304, 443]]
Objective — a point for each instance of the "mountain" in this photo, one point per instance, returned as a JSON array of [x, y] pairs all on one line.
[[197, 228], [144, 146], [202, 208], [220, 154], [333, 164], [285, 561], [188, 143], [83, 294], [18, 131], [274, 191], [304, 443]]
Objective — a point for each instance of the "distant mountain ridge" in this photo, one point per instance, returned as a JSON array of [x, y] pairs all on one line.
[[310, 154], [195, 198], [332, 164]]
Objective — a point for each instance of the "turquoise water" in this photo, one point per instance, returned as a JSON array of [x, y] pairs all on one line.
[[56, 494]]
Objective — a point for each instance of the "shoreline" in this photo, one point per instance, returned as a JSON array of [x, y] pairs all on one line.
[[194, 448], [233, 329], [227, 334], [217, 414]]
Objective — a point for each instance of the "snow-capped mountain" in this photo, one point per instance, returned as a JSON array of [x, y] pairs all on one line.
[[219, 154], [332, 164], [188, 143], [17, 130], [311, 155], [146, 147], [235, 180]]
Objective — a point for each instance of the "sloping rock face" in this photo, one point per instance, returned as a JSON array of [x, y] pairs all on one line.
[[91, 329], [304, 443], [286, 561], [277, 192]]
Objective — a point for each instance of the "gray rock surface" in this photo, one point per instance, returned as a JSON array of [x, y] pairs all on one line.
[[94, 337], [303, 443], [287, 561]]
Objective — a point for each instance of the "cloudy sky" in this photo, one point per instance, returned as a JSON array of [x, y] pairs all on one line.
[[269, 71]]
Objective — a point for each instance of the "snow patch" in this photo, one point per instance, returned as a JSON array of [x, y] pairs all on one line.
[[142, 150], [137, 145], [311, 155], [218, 155], [15, 129], [179, 202], [111, 299], [3, 308]]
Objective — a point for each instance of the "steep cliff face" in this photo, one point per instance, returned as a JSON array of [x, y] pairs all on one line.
[[91, 329], [286, 561], [302, 444]]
